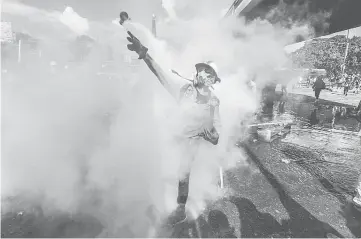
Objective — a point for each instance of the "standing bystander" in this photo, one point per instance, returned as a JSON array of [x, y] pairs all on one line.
[[318, 86]]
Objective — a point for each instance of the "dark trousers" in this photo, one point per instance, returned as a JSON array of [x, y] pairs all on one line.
[[183, 190], [317, 92], [345, 90], [281, 107], [190, 147]]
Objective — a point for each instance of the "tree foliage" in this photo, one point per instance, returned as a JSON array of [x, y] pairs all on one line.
[[354, 55], [329, 53], [324, 16]]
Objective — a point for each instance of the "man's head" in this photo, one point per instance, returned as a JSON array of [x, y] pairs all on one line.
[[207, 74]]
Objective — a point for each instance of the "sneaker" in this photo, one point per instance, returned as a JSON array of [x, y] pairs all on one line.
[[177, 216], [357, 203]]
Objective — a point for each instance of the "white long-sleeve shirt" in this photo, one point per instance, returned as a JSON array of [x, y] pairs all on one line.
[[197, 112]]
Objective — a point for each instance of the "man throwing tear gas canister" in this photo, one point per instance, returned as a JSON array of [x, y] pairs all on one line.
[[200, 122]]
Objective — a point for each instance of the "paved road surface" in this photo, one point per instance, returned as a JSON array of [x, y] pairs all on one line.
[[290, 190], [298, 186], [336, 96]]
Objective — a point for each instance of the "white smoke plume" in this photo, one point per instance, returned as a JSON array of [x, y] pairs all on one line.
[[75, 22], [168, 5], [59, 151]]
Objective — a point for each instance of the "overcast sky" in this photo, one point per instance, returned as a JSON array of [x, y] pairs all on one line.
[[98, 10], [102, 10], [37, 17], [107, 10]]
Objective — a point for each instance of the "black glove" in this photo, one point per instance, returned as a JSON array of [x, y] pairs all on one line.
[[210, 135], [136, 46]]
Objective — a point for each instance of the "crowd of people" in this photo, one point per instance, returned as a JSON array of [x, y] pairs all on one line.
[[348, 83]]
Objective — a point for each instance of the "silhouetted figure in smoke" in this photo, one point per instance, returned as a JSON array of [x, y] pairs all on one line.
[[281, 105], [268, 98], [318, 86], [200, 116]]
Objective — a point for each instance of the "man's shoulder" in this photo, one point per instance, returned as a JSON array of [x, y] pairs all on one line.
[[186, 90], [186, 87]]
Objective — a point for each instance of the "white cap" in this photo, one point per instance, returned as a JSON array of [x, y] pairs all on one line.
[[210, 64], [213, 65]]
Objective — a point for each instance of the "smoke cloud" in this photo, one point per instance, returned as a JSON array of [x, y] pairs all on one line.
[[74, 142], [76, 23]]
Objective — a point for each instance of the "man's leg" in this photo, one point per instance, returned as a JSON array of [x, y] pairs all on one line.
[[281, 107], [179, 215], [183, 190], [317, 93]]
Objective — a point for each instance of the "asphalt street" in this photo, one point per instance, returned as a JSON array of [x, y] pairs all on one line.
[[300, 185], [287, 190]]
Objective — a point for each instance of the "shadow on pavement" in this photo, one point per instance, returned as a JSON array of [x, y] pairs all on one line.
[[255, 223], [219, 223], [329, 187], [299, 98], [301, 224], [353, 219]]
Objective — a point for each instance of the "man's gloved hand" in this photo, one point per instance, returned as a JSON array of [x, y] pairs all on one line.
[[136, 46], [211, 135]]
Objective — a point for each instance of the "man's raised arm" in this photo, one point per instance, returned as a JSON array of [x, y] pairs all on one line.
[[142, 51], [159, 73]]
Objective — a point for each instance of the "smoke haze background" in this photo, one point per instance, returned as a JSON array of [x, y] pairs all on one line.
[[58, 152]]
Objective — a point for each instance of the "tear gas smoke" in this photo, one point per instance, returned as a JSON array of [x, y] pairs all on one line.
[[59, 152]]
